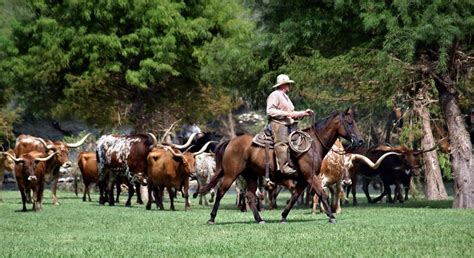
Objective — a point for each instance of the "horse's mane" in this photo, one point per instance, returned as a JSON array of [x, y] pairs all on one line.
[[320, 123]]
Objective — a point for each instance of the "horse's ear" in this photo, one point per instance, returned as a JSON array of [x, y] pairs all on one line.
[[349, 111]]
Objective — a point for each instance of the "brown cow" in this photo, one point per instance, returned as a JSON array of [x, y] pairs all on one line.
[[87, 162], [168, 167], [30, 170], [6, 163], [27, 143]]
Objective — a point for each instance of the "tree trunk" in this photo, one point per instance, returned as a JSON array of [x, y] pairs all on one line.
[[434, 187], [462, 160]]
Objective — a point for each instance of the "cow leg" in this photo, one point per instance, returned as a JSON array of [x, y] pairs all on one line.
[[35, 198], [54, 186], [86, 191], [315, 204], [28, 194], [337, 197], [89, 193], [159, 191], [119, 190], [111, 190], [130, 195], [40, 196], [172, 194], [185, 192], [365, 188], [139, 194], [23, 196], [316, 184], [102, 190], [407, 189], [150, 191], [386, 191], [300, 186]]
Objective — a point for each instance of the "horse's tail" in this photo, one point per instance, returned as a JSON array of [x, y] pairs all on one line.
[[219, 170]]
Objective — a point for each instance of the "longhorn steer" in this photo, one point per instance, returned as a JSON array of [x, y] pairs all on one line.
[[205, 167], [123, 157], [27, 143], [30, 170], [395, 170], [168, 167], [334, 175]]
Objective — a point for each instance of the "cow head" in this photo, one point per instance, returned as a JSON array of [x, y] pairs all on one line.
[[61, 150], [28, 163], [187, 159], [346, 168]]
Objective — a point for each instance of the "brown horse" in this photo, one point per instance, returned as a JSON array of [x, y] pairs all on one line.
[[240, 157]]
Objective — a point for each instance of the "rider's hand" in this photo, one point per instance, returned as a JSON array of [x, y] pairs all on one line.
[[309, 112]]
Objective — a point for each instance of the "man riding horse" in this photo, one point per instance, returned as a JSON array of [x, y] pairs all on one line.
[[282, 115]]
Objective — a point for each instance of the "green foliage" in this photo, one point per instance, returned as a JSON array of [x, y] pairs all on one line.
[[75, 228], [116, 61], [7, 118], [445, 165]]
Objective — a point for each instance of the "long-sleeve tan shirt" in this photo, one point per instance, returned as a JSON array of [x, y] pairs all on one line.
[[279, 107]]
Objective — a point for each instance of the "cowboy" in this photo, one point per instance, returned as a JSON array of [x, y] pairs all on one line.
[[282, 115]]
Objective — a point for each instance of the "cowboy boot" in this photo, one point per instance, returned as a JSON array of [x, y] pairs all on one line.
[[281, 152]]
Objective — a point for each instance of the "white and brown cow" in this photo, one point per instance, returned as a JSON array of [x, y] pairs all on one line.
[[205, 168]]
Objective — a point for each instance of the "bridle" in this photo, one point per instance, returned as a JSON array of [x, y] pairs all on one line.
[[346, 128]]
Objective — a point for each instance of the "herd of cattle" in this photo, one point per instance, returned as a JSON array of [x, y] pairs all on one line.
[[136, 160]]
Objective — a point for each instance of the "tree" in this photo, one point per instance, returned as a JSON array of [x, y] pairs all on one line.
[[351, 50], [118, 62], [436, 38]]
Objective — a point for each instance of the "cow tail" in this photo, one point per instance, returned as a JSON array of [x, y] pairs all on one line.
[[219, 169]]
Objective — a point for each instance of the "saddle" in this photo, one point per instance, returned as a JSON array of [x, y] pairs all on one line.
[[299, 141]]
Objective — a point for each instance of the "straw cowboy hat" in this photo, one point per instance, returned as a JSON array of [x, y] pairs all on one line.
[[283, 79]]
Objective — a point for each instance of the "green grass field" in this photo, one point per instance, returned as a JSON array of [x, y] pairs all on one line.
[[416, 228]]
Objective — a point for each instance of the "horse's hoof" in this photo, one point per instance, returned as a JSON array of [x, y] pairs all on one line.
[[262, 222], [284, 221], [210, 222], [332, 220]]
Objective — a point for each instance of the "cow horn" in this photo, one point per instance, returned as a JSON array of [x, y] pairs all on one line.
[[155, 141], [13, 157], [370, 163], [79, 143], [172, 152], [47, 158], [187, 144], [203, 148], [420, 151], [169, 130], [46, 146]]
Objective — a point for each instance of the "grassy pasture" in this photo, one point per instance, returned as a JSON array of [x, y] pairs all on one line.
[[416, 228]]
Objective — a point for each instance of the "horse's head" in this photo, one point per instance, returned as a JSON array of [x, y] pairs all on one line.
[[347, 129]]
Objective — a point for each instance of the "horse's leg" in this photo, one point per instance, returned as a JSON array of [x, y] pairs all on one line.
[[252, 198], [227, 181], [300, 186], [315, 183]]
